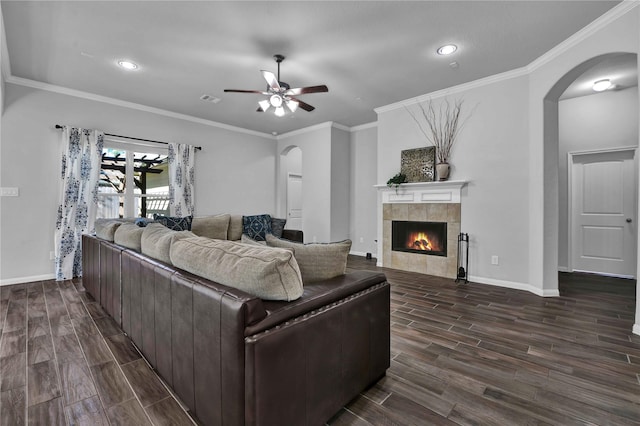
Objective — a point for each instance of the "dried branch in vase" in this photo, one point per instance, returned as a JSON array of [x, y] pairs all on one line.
[[442, 127]]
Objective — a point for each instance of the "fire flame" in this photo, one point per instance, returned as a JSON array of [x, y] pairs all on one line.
[[419, 241]]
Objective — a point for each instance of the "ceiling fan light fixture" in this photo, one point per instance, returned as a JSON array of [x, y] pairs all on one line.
[[280, 111], [264, 104], [276, 100], [293, 105], [447, 49], [602, 85]]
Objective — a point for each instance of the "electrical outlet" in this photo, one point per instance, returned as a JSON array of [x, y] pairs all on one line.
[[9, 192], [315, 240], [52, 255], [362, 239], [494, 260]]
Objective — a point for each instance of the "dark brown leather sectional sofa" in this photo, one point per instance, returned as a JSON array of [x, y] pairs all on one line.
[[235, 359]]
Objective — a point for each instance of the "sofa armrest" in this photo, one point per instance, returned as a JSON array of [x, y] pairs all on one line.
[[293, 235]]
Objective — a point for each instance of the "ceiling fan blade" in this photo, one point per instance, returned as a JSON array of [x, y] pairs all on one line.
[[304, 90], [271, 79], [246, 91], [305, 106]]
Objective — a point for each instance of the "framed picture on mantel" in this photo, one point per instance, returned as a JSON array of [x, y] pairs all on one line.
[[418, 164]]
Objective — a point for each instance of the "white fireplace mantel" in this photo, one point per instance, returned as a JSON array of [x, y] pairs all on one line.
[[422, 192]]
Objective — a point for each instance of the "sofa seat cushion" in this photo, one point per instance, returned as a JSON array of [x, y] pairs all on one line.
[[261, 271], [316, 295], [129, 235], [317, 261], [215, 227], [156, 241]]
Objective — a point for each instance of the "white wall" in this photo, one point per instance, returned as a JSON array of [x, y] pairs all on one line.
[[230, 169], [491, 155], [599, 121], [364, 197]]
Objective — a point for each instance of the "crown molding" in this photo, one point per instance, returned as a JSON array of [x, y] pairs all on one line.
[[325, 125], [131, 105], [365, 126], [518, 72], [602, 21]]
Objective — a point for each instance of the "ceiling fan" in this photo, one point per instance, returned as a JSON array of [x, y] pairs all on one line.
[[280, 93]]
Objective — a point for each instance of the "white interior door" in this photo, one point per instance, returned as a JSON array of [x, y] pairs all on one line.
[[294, 201], [603, 213]]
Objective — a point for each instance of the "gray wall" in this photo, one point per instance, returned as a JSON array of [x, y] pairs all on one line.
[[230, 170], [364, 197]]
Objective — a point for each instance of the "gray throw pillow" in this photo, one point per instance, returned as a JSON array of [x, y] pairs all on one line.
[[265, 272], [317, 261]]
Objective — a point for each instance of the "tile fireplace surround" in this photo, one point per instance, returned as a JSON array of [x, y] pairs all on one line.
[[424, 201]]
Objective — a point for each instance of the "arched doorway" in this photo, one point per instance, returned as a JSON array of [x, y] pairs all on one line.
[[552, 161], [290, 187]]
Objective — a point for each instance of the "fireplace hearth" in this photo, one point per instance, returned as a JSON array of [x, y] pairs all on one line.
[[429, 238]]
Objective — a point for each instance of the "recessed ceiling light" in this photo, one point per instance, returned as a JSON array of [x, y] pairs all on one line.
[[127, 65], [602, 85], [447, 49]]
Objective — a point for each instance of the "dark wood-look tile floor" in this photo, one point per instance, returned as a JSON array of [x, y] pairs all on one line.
[[63, 361], [461, 354]]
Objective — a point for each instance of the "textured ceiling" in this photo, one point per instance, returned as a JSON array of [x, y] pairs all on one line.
[[368, 53]]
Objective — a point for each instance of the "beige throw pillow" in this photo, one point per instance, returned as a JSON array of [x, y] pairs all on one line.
[[128, 235], [215, 227], [265, 272], [157, 239], [317, 261]]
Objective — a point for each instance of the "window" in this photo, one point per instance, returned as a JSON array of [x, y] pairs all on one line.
[[134, 181]]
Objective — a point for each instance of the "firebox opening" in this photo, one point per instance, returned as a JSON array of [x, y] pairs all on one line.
[[419, 237]]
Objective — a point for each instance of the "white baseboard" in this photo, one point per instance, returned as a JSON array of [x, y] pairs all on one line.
[[358, 253], [563, 269], [636, 329], [21, 280], [515, 285]]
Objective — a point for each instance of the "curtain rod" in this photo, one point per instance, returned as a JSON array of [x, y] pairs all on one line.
[[135, 139]]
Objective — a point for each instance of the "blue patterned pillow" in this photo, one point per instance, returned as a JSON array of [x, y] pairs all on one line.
[[175, 223], [277, 226], [256, 227]]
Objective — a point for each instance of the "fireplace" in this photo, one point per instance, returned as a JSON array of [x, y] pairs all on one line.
[[428, 238]]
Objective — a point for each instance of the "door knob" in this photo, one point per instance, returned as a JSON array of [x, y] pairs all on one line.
[[629, 220]]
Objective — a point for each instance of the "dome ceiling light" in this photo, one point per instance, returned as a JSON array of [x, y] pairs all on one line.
[[602, 85]]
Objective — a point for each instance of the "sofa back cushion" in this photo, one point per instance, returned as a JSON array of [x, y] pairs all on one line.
[[106, 228], [215, 227], [129, 235], [317, 261], [156, 241], [235, 228], [265, 272]]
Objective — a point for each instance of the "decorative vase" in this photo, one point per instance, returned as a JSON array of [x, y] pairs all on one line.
[[442, 170]]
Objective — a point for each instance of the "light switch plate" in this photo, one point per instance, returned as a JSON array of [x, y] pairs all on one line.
[[9, 192]]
